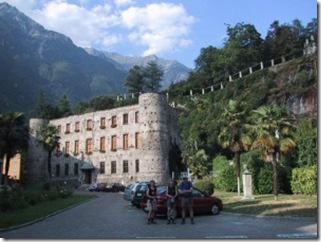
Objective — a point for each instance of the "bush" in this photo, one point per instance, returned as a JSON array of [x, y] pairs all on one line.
[[265, 180], [12, 200], [19, 199], [227, 179], [305, 180], [206, 185]]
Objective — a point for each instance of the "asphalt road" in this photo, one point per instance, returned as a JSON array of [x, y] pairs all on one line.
[[111, 217]]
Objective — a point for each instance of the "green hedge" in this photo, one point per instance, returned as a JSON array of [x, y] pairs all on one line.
[[206, 185], [305, 180], [265, 180], [19, 198], [227, 179]]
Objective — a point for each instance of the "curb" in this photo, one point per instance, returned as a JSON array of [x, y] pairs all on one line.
[[270, 216]]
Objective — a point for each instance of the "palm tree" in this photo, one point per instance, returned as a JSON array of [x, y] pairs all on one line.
[[49, 139], [14, 136], [198, 163], [273, 135], [233, 135]]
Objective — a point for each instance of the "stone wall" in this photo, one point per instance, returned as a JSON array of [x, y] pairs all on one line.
[[151, 127]]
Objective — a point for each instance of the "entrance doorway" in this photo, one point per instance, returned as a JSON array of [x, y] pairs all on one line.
[[88, 178]]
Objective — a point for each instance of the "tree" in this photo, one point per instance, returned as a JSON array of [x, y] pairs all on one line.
[[280, 40], [49, 139], [273, 136], [63, 106], [102, 103], [207, 66], [312, 28], [135, 79], [14, 136], [198, 163], [232, 135], [43, 109], [242, 49], [153, 75]]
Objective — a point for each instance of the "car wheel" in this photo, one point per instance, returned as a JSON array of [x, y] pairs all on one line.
[[215, 209]]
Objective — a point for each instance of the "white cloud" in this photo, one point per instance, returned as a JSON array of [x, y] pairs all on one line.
[[161, 27], [157, 27]]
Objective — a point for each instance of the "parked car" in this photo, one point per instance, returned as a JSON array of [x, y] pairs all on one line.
[[92, 187], [130, 190], [101, 187], [127, 191], [139, 194], [202, 203], [115, 187]]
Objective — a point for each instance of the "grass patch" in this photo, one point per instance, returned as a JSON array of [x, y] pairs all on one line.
[[22, 216], [286, 205]]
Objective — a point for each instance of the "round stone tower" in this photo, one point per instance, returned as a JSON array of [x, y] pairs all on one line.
[[37, 156], [155, 137]]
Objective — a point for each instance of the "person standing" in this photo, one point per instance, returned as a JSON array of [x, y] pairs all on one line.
[[151, 199], [171, 193], [186, 194]]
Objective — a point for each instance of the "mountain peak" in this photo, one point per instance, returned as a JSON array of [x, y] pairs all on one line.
[[173, 70]]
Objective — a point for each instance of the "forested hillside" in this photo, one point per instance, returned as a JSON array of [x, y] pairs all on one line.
[[231, 116]]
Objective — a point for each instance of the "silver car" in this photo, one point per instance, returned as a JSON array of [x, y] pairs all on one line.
[[130, 190]]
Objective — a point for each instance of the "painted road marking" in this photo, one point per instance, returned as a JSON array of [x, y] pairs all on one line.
[[155, 237], [227, 237], [303, 235]]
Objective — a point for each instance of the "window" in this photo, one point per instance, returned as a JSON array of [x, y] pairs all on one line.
[[136, 117], [89, 124], [102, 144], [66, 169], [59, 129], [67, 148], [125, 118], [125, 166], [137, 140], [58, 149], [89, 146], [57, 170], [113, 143], [113, 121], [102, 168], [137, 165], [76, 148], [77, 126], [102, 122], [67, 129], [125, 141], [76, 169], [113, 167]]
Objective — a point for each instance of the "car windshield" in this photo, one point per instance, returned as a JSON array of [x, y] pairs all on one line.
[[143, 188], [129, 186], [161, 190]]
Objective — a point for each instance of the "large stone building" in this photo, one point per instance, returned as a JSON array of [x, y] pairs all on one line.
[[123, 145]]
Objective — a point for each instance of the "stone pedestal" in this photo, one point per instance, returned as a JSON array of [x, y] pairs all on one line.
[[247, 186]]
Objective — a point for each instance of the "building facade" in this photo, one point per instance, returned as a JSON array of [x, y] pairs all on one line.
[[123, 145]]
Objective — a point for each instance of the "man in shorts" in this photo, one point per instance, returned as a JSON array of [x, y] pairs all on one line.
[[185, 190]]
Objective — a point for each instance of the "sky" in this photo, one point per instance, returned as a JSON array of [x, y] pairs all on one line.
[[170, 29]]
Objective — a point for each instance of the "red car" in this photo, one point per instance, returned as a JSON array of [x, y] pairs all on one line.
[[101, 187], [203, 203]]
